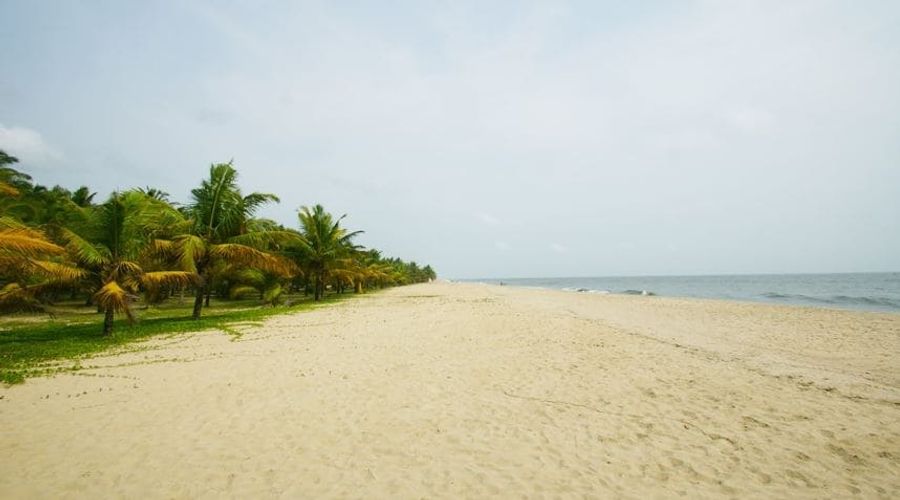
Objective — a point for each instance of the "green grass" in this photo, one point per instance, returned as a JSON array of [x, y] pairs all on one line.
[[29, 345]]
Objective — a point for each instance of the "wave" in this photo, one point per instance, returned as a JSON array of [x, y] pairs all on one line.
[[645, 293], [837, 299], [584, 290]]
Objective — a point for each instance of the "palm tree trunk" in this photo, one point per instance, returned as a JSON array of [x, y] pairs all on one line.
[[318, 290], [108, 322], [208, 294], [198, 302]]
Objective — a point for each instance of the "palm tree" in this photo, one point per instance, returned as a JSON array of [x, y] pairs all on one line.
[[156, 194], [223, 231], [323, 245], [110, 245], [10, 179], [267, 285], [30, 266], [83, 197]]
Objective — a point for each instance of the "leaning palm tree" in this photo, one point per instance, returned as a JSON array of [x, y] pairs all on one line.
[[223, 231], [323, 246], [110, 245]]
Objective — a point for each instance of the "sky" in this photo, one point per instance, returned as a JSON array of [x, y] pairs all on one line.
[[490, 139]]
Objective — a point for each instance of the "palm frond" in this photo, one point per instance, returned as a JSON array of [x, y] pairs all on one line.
[[112, 296], [82, 250], [272, 294], [26, 242], [189, 249], [57, 272], [249, 256], [17, 298], [239, 291], [266, 239], [158, 279], [124, 269], [7, 222], [8, 189]]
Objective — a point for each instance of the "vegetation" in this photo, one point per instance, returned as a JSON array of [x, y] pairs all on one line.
[[62, 251], [324, 247], [29, 348]]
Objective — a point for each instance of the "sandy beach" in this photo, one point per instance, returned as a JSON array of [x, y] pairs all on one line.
[[466, 390]]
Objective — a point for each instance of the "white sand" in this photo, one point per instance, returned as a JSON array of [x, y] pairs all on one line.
[[467, 390]]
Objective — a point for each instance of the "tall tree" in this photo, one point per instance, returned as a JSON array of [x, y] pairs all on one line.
[[325, 243], [110, 245], [223, 231]]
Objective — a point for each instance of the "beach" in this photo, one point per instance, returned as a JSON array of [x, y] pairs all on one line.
[[467, 390]]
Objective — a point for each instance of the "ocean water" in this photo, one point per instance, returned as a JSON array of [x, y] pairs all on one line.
[[862, 291]]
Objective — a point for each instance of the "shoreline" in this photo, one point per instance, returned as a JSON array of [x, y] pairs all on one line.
[[462, 389], [880, 295], [656, 296]]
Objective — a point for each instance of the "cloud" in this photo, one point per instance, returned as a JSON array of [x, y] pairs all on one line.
[[212, 116], [27, 145], [488, 219], [580, 122], [753, 120]]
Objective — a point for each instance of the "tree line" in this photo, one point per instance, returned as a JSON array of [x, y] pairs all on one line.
[[138, 245]]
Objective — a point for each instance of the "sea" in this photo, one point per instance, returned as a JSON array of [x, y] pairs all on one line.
[[860, 291]]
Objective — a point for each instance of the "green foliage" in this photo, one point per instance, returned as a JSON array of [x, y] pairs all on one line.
[[223, 235], [323, 245], [30, 348], [137, 246]]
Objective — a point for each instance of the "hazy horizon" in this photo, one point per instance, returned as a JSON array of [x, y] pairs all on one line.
[[476, 278], [506, 140]]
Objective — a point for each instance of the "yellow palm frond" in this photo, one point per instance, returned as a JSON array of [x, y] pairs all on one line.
[[189, 250], [163, 245], [158, 279], [161, 248], [26, 242], [112, 296], [126, 268], [266, 239], [7, 222], [7, 189], [57, 272], [17, 298], [251, 257]]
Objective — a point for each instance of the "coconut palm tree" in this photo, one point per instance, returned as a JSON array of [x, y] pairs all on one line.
[[156, 194], [223, 231], [30, 266], [324, 244], [11, 179], [110, 245], [83, 197]]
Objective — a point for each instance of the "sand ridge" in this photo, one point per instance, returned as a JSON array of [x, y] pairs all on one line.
[[449, 390]]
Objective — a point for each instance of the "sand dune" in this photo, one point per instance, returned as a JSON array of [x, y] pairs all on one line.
[[451, 390]]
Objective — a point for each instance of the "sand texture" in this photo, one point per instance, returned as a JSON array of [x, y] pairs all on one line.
[[464, 390]]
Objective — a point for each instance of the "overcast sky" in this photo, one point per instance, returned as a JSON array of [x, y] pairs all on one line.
[[490, 139]]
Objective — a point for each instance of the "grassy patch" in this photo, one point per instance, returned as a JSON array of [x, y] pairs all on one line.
[[28, 344]]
